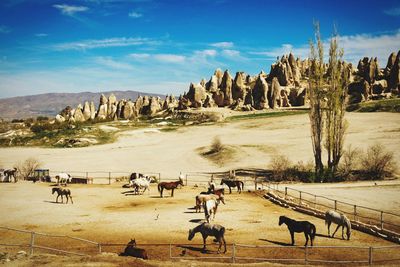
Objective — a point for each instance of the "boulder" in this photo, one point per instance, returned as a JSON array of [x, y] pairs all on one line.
[[139, 104], [209, 102], [102, 112], [92, 111], [260, 94], [359, 91], [389, 65], [86, 111], [212, 85], [126, 110], [275, 93], [297, 96], [219, 74], [284, 98], [219, 98], [239, 89], [196, 95], [249, 98], [78, 115], [394, 78], [183, 103], [226, 88], [59, 118], [379, 87], [103, 99]]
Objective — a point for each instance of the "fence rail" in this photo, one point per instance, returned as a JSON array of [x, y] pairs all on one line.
[[379, 218], [237, 253]]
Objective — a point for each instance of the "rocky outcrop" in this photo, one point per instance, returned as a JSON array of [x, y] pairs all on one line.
[[259, 94], [196, 95], [226, 88]]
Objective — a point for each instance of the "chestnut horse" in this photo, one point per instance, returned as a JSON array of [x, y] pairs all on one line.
[[133, 251], [233, 183], [169, 186]]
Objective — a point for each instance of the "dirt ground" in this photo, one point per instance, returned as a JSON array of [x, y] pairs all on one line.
[[169, 153], [111, 214]]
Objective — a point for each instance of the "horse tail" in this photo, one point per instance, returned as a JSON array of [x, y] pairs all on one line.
[[159, 187], [313, 232], [240, 182]]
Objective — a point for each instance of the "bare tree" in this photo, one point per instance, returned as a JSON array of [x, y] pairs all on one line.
[[316, 96], [27, 168], [378, 163], [335, 124]]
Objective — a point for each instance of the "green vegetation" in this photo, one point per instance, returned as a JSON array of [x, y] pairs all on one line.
[[383, 105], [266, 115]]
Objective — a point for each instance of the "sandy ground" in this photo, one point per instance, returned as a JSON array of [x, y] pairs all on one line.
[[169, 153], [110, 214]]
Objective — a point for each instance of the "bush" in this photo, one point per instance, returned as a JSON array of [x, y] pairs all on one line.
[[302, 171], [26, 168], [350, 162], [378, 163], [280, 166], [42, 118], [216, 145]]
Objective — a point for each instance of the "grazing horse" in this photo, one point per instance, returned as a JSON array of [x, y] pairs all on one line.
[[10, 173], [233, 183], [62, 192], [298, 227], [63, 178], [201, 198], [139, 183], [210, 207], [340, 219], [206, 230], [169, 186], [132, 250]]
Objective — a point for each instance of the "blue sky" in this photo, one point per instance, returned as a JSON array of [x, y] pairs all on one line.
[[161, 46]]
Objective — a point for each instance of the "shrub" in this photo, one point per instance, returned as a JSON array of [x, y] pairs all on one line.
[[350, 162], [216, 145], [303, 172], [378, 163], [280, 166], [26, 168], [42, 118]]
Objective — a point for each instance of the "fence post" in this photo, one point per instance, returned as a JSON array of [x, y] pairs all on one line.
[[186, 180], [381, 220], [32, 242], [335, 204], [170, 251], [99, 247], [370, 256], [285, 192], [300, 198], [109, 177], [233, 253], [87, 176], [306, 255], [315, 201], [355, 212]]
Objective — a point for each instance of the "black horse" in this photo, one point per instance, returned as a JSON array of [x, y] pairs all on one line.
[[169, 186], [62, 192], [11, 173], [299, 227], [133, 251], [233, 183]]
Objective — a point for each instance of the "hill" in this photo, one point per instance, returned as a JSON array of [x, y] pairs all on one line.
[[50, 104]]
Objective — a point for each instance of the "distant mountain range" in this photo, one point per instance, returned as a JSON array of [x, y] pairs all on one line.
[[52, 103]]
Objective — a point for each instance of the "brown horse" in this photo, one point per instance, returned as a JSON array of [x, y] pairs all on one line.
[[233, 183], [132, 250], [62, 192], [169, 186]]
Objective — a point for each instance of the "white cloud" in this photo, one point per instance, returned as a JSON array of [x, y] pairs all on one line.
[[139, 55], [170, 58], [223, 44], [230, 53], [41, 34], [103, 43], [4, 29], [392, 11], [111, 63], [135, 14], [355, 47], [205, 53], [70, 10]]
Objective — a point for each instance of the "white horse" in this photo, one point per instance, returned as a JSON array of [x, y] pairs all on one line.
[[201, 198], [63, 178], [140, 183], [340, 219], [210, 207]]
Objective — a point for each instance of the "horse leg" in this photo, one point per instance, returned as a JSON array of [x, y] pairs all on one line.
[[223, 239], [162, 189], [71, 199], [57, 198], [67, 199], [306, 235], [329, 225], [230, 190], [62, 199], [342, 231], [335, 230], [204, 242], [172, 193], [292, 236]]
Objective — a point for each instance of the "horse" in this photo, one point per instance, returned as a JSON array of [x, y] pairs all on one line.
[[135, 175], [139, 183], [62, 192], [63, 178], [210, 207], [10, 173], [340, 219], [233, 183], [132, 250], [298, 227], [169, 186], [206, 229], [201, 198], [213, 190]]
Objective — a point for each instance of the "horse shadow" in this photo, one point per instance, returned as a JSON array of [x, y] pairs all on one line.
[[327, 236], [129, 193], [53, 202], [197, 249], [196, 220], [276, 242]]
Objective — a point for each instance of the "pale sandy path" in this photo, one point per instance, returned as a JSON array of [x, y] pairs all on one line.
[[172, 152]]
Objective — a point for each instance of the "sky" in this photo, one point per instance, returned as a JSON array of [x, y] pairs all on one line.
[[160, 46]]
